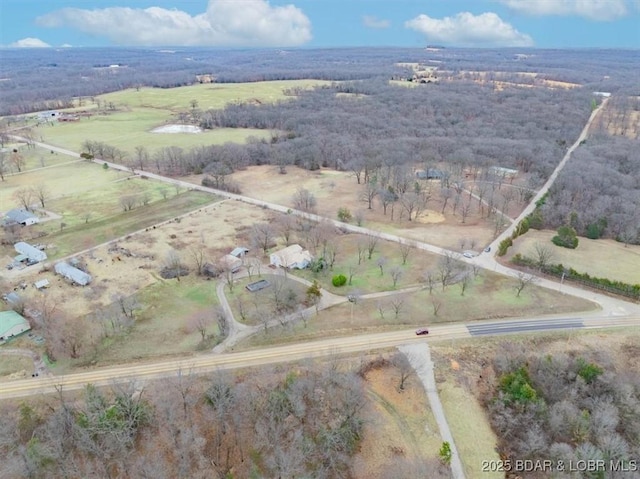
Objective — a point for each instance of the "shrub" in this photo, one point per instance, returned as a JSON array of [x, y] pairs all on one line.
[[588, 371], [339, 280], [504, 246], [344, 215], [516, 387], [566, 237], [445, 453]]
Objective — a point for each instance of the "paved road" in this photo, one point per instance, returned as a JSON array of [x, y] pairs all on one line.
[[293, 352], [419, 356]]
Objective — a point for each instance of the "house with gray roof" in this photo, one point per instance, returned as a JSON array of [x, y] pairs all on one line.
[[30, 253], [21, 217], [72, 274]]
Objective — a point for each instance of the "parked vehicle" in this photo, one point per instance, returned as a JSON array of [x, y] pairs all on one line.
[[422, 331]]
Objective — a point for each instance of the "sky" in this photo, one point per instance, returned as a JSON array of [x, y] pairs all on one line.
[[321, 23]]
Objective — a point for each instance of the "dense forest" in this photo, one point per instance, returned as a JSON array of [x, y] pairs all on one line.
[[307, 423], [40, 79], [566, 407], [598, 192]]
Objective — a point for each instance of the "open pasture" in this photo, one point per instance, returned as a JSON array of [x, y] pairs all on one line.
[[136, 112], [603, 258], [60, 181], [31, 158]]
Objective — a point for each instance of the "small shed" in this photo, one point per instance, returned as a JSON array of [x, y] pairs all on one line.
[[239, 252], [12, 324], [72, 274], [31, 253], [21, 217], [12, 298], [41, 284], [291, 257], [430, 174]]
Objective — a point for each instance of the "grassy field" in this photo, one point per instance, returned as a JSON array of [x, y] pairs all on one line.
[[603, 258], [35, 157], [82, 235], [61, 181], [163, 325], [256, 305], [489, 297], [367, 278], [139, 111], [14, 364]]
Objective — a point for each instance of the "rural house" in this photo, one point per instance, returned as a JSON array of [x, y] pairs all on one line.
[[501, 172], [430, 174], [12, 324], [29, 253], [72, 274], [21, 217], [291, 257]]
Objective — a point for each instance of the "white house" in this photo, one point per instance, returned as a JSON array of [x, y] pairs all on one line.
[[291, 257], [22, 217], [31, 253], [12, 324]]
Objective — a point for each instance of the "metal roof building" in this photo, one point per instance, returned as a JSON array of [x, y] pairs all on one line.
[[73, 274], [22, 217], [12, 324], [31, 252]]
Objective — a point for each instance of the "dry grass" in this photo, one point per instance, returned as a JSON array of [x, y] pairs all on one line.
[[16, 367], [603, 258]]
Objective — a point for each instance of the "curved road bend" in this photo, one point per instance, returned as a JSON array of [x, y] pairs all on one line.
[[292, 352]]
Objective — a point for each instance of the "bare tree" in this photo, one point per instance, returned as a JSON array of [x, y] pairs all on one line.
[[285, 225], [370, 192], [396, 273], [358, 216], [222, 321], [173, 267], [405, 370], [87, 216], [448, 266], [142, 157], [372, 242], [304, 200], [41, 192], [201, 323], [465, 281], [524, 279], [24, 196], [544, 255], [431, 278], [128, 202], [380, 263], [262, 236], [436, 304], [362, 251], [397, 303], [353, 269], [198, 256], [405, 249]]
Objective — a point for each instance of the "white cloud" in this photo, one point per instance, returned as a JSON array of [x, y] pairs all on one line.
[[373, 22], [466, 29], [591, 9], [224, 23], [29, 42]]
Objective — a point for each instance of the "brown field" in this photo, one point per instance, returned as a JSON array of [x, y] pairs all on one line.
[[619, 123], [604, 258], [399, 426], [336, 189]]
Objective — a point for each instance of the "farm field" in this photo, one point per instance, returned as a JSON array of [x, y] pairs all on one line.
[[136, 112], [33, 158], [59, 181], [604, 258]]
